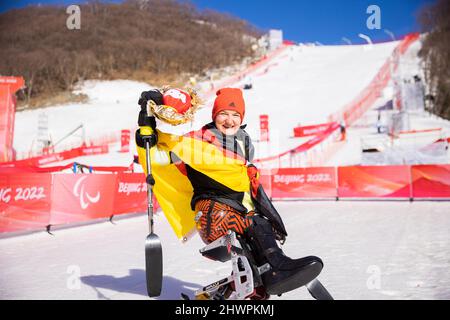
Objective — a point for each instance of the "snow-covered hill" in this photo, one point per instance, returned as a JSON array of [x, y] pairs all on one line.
[[303, 85]]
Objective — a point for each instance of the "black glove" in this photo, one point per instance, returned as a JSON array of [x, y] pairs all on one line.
[[279, 236], [153, 94], [146, 96]]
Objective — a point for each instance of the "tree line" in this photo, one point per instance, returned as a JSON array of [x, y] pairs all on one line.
[[147, 40], [435, 52]]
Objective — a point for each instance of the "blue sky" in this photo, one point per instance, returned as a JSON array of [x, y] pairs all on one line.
[[325, 21]]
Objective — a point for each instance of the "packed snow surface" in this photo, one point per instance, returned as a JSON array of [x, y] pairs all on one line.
[[371, 250]]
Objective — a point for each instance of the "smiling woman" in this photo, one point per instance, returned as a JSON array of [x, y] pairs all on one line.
[[229, 110], [228, 122], [217, 190]]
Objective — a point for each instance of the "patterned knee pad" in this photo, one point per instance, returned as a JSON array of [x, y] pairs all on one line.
[[217, 218]]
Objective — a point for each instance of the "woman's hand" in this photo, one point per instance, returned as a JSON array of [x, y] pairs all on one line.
[[146, 122], [144, 118]]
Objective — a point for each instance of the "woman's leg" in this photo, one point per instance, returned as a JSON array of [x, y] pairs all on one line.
[[286, 274], [217, 218]]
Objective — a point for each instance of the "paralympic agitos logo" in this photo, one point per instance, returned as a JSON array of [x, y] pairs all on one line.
[[85, 198]]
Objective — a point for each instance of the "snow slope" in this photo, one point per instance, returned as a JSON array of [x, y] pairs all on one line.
[[405, 149], [303, 85]]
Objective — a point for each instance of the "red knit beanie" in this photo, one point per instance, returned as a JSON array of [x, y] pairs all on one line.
[[229, 99]]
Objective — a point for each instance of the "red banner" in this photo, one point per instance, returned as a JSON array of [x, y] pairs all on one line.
[[125, 140], [265, 179], [374, 182], [264, 127], [312, 130], [8, 88], [130, 193], [80, 197], [92, 150], [431, 181], [25, 200], [30, 201], [305, 146], [304, 183], [57, 157], [5, 123]]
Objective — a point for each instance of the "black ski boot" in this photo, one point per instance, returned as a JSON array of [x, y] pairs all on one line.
[[286, 274]]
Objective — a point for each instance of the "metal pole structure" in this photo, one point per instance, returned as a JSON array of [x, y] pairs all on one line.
[[69, 134], [149, 187], [153, 248]]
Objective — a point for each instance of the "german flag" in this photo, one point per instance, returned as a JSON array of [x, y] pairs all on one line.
[[172, 188]]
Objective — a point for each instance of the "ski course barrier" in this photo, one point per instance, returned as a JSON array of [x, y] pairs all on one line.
[[289, 157], [404, 182], [365, 99], [25, 201], [349, 114], [374, 182], [312, 130], [34, 201], [303, 183], [56, 157], [232, 80], [430, 181]]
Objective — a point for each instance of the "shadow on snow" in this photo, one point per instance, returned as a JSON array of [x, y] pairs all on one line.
[[135, 283]]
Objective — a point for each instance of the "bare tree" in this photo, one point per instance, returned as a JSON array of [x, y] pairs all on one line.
[[435, 52], [161, 39]]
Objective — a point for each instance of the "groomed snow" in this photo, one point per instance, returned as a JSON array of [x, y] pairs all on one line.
[[371, 250]]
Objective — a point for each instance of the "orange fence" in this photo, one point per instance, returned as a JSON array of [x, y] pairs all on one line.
[[356, 108], [349, 114], [232, 80], [290, 157]]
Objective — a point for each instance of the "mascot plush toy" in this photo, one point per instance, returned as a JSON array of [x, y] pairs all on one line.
[[177, 107]]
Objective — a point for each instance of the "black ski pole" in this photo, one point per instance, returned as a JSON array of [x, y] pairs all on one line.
[[153, 248]]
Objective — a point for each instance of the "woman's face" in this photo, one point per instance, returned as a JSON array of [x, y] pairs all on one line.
[[228, 122]]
